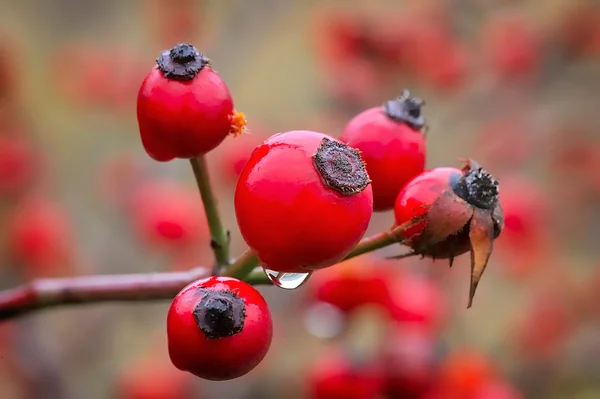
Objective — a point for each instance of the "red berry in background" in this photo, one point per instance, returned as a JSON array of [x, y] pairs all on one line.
[[167, 214], [525, 238], [579, 29], [417, 301], [303, 201], [218, 328], [498, 390], [39, 236], [464, 373], [352, 284], [391, 144], [410, 359], [512, 46], [152, 377], [235, 154], [184, 108], [337, 374], [18, 165], [450, 212], [541, 333]]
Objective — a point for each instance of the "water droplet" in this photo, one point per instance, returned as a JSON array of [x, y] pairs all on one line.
[[287, 281], [324, 320]]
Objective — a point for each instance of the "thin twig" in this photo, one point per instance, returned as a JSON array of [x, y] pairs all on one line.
[[52, 292], [219, 236]]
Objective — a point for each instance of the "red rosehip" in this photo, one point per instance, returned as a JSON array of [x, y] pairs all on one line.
[[391, 144], [18, 165], [352, 284], [153, 378], [39, 236], [418, 301], [453, 211], [337, 375], [184, 108], [512, 46], [410, 360], [218, 328], [303, 201], [498, 390], [167, 214], [464, 373]]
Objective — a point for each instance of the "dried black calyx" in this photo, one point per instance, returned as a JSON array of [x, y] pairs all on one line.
[[477, 187], [341, 167], [406, 109], [182, 62], [220, 314]]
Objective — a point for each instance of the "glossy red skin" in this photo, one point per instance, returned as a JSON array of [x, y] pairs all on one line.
[[183, 119], [334, 376], [167, 215], [39, 235], [352, 284], [393, 152], [223, 358], [288, 216], [418, 194], [18, 165]]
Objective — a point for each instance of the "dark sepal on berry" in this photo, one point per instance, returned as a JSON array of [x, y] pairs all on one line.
[[406, 109], [183, 62], [477, 186], [341, 167], [220, 313]]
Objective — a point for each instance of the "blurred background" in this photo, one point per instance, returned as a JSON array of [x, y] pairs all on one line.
[[511, 84]]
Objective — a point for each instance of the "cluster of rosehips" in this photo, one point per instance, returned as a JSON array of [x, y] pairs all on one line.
[[362, 52], [303, 201]]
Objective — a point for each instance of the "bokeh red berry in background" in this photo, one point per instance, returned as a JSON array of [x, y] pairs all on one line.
[[511, 84]]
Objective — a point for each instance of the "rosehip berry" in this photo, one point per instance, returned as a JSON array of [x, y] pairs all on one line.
[[218, 328], [417, 301], [337, 375], [153, 378], [391, 143], [303, 201], [18, 165], [453, 211], [464, 373], [166, 214], [184, 108], [39, 236], [351, 284]]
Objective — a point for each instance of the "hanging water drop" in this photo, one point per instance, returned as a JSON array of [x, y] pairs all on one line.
[[287, 281]]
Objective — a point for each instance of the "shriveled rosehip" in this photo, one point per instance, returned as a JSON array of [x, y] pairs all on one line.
[[351, 284], [18, 164], [218, 328], [453, 211], [166, 215], [337, 375], [39, 236], [303, 201], [184, 108], [391, 144]]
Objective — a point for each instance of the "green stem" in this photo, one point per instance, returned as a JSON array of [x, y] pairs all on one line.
[[219, 236], [243, 265]]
